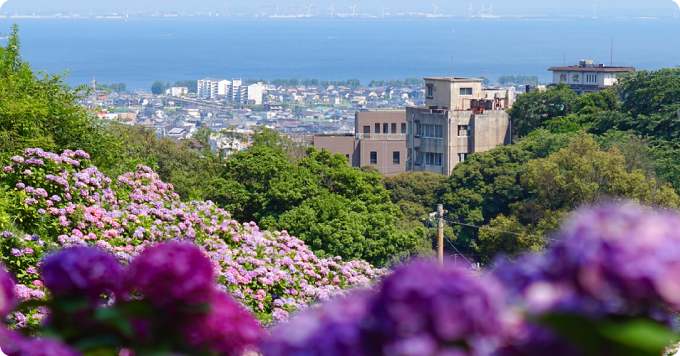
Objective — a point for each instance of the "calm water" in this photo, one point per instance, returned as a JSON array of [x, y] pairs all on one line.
[[139, 52]]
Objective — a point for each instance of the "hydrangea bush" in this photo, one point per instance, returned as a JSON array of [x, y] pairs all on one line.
[[99, 307], [62, 201], [609, 286]]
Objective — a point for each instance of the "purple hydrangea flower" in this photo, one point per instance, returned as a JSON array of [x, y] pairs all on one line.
[[330, 330], [82, 271], [406, 316], [42, 347], [21, 185], [7, 299], [8, 168], [18, 159], [173, 272], [6, 234], [16, 252], [225, 330], [623, 254]]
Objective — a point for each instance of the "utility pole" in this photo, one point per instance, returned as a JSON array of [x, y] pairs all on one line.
[[440, 234]]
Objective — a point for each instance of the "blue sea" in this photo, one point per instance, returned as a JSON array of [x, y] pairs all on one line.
[[139, 52]]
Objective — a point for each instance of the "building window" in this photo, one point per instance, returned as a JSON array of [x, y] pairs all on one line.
[[347, 156], [462, 157], [433, 159], [465, 91], [416, 131], [386, 128], [374, 157], [431, 131], [403, 128], [430, 91], [377, 128], [393, 128], [464, 130], [396, 159], [367, 129]]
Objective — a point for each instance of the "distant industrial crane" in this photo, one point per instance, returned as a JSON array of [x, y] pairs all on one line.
[[332, 8], [354, 10], [435, 9]]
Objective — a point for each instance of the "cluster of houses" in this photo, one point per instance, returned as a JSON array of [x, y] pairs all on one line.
[[236, 106], [429, 127]]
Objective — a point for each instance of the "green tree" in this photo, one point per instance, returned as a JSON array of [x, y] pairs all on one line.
[[41, 111], [532, 110], [191, 85], [579, 175], [487, 183], [158, 87], [317, 196], [650, 92]]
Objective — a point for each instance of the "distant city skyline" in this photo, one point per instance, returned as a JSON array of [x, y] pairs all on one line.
[[456, 8]]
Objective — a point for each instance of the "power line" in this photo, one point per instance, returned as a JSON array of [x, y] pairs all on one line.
[[497, 230], [461, 255]]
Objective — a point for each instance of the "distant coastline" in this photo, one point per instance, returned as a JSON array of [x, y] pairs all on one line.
[[139, 52]]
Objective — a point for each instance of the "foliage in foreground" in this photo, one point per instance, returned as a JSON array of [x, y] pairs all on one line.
[[59, 202], [336, 209], [39, 110], [609, 286]]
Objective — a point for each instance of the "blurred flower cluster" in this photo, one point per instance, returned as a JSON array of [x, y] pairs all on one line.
[[126, 265], [99, 304], [608, 287], [61, 201]]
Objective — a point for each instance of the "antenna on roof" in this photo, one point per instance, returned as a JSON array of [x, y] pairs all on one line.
[[611, 64], [452, 67]]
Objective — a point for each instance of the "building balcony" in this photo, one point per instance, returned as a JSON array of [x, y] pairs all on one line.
[[381, 137]]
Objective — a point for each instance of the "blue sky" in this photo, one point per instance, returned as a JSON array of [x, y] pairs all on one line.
[[457, 7]]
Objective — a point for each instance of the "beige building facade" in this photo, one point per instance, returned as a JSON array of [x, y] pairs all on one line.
[[379, 141], [459, 118], [588, 77]]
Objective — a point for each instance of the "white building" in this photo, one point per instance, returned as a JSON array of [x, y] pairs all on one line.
[[210, 88], [587, 77], [177, 91], [245, 93], [235, 90]]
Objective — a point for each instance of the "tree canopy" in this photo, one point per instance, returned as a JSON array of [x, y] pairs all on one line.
[[39, 110], [316, 196]]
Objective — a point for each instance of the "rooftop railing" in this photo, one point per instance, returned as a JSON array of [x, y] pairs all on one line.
[[380, 137]]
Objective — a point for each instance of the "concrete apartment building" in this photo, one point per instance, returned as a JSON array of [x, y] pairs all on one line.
[[587, 77], [210, 88], [379, 141], [459, 118], [235, 90]]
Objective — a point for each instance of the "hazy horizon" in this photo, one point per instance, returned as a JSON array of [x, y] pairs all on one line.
[[458, 8]]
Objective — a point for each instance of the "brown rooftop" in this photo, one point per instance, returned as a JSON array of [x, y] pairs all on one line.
[[593, 69], [453, 79]]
